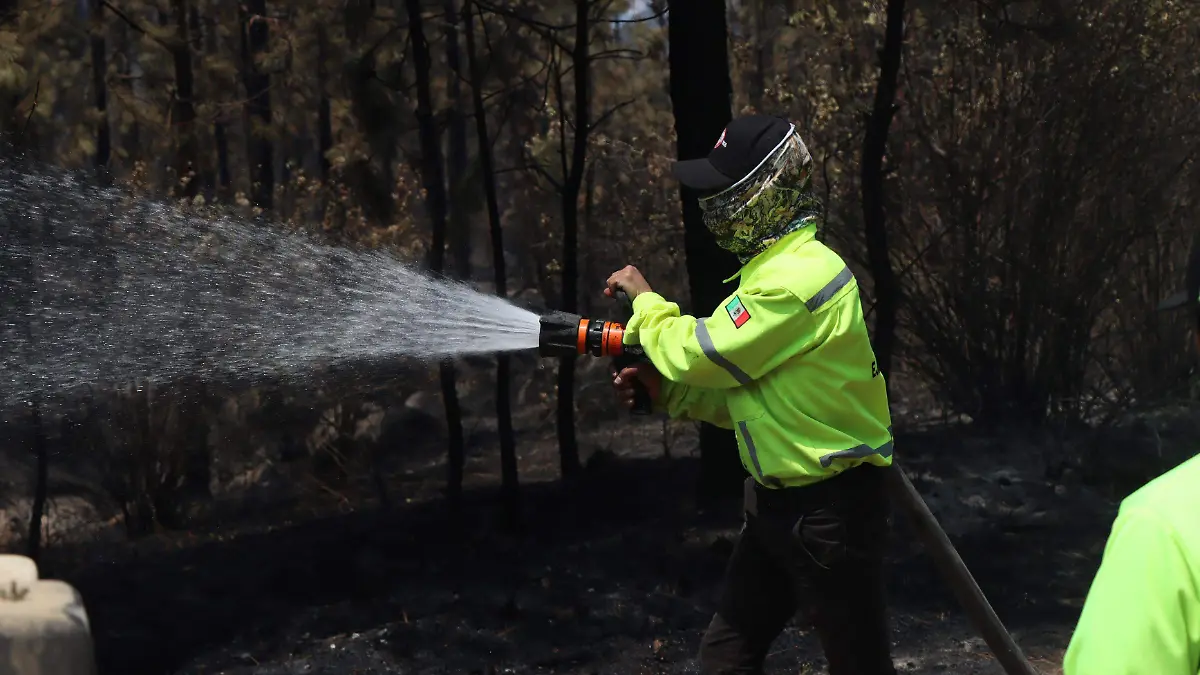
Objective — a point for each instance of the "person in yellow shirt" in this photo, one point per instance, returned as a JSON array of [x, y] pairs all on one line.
[[785, 362], [1142, 613]]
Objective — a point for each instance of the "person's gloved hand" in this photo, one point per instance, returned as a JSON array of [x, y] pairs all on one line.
[[629, 280], [643, 372]]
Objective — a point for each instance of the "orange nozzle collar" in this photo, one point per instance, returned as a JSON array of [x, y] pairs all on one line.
[[599, 338], [581, 339], [612, 341]]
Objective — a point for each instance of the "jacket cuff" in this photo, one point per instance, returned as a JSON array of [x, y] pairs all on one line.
[[646, 301]]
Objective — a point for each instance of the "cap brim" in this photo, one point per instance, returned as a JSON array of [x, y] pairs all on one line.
[[700, 174], [1175, 301]]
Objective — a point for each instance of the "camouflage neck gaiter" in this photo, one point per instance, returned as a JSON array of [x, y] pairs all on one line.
[[775, 200]]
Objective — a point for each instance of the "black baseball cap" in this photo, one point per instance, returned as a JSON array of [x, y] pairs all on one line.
[[1189, 296], [742, 147]]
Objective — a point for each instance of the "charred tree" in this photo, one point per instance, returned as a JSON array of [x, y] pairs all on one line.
[[183, 103], [38, 433], [261, 152], [34, 234], [887, 293], [10, 98], [762, 53], [37, 510], [324, 114], [377, 111], [456, 160], [701, 94], [212, 48], [100, 84], [587, 230], [190, 492], [204, 169], [127, 57], [510, 483], [574, 161], [433, 178]]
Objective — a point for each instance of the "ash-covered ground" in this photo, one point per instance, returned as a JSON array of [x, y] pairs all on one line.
[[614, 573]]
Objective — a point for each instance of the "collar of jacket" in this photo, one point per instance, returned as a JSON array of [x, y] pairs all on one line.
[[789, 242]]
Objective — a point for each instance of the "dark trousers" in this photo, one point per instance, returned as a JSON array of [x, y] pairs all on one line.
[[818, 548]]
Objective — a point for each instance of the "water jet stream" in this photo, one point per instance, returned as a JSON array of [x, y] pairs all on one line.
[[99, 288]]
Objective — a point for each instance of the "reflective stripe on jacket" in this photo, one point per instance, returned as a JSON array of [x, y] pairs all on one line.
[[786, 362]]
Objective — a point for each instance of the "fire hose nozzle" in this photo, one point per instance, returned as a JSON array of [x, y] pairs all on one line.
[[566, 334]]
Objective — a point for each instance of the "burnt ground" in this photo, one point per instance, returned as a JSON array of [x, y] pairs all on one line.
[[615, 573]]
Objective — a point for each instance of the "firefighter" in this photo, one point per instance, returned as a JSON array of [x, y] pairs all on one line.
[[786, 363], [1142, 613]]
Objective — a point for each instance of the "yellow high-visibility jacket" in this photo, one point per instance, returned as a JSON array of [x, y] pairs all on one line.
[[1142, 614], [786, 362]]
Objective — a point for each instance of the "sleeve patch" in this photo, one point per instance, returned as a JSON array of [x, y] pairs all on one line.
[[737, 312]]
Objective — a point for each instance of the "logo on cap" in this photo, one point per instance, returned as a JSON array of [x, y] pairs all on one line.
[[721, 141]]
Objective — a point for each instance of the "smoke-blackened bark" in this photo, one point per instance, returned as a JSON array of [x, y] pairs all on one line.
[[434, 179], [700, 95]]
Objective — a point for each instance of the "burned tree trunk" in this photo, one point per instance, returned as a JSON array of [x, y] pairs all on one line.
[[433, 178], [183, 104], [762, 54], [700, 95], [36, 232], [588, 229], [887, 295], [568, 445], [100, 85], [128, 58], [220, 133], [510, 485], [37, 509], [10, 96], [324, 115], [205, 173], [456, 161], [261, 152]]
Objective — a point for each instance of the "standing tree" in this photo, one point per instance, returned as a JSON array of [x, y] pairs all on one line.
[[222, 187], [37, 510], [37, 429], [183, 103], [324, 109], [510, 485], [700, 95], [456, 161], [255, 34], [762, 46], [887, 293], [433, 178], [573, 172], [573, 122], [11, 89], [100, 83]]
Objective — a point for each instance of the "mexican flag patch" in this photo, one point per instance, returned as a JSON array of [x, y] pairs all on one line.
[[737, 312]]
